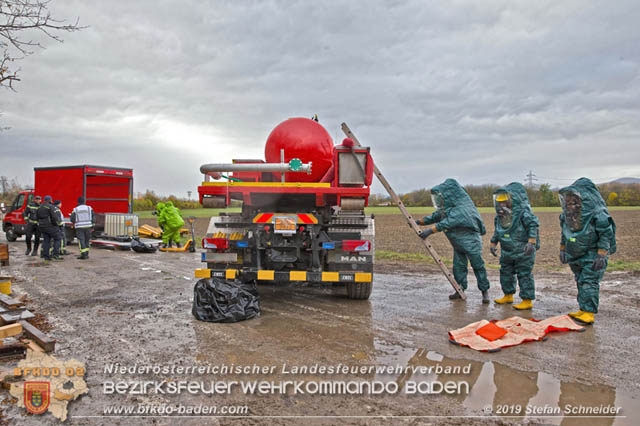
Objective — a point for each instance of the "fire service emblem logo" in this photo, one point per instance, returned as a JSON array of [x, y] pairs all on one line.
[[36, 397]]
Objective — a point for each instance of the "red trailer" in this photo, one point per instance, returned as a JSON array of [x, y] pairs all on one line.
[[105, 189]]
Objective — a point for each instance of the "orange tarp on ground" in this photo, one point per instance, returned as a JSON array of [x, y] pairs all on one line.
[[519, 330]]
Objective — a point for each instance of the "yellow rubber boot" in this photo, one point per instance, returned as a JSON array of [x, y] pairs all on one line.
[[526, 304], [575, 314], [507, 298], [586, 318]]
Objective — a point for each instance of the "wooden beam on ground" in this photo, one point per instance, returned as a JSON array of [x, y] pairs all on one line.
[[12, 316], [10, 302], [33, 345], [10, 330], [46, 342], [13, 351], [409, 218]]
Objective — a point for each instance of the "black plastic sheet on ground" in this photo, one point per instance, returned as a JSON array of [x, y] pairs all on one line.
[[219, 300], [140, 247]]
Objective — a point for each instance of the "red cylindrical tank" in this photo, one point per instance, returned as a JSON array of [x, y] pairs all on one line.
[[304, 139]]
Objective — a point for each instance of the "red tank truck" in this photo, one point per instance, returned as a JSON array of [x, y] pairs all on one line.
[[302, 218]]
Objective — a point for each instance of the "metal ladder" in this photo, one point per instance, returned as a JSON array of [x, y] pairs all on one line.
[[410, 220]]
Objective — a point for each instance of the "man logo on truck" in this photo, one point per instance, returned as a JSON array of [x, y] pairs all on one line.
[[357, 259]]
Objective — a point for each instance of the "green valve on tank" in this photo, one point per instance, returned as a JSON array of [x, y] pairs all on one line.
[[295, 164]]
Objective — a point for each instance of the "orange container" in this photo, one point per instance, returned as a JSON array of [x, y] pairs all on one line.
[[4, 251]]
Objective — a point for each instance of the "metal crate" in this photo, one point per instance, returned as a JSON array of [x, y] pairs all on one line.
[[120, 225]]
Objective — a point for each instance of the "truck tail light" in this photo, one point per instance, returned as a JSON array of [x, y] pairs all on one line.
[[215, 243], [356, 245]]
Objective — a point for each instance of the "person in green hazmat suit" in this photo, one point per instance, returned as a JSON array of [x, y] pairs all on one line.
[[588, 238], [516, 230], [173, 222], [459, 219], [158, 213]]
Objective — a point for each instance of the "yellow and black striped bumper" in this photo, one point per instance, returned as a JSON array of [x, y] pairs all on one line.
[[267, 275]]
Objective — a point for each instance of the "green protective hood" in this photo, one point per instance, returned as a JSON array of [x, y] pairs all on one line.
[[459, 206], [159, 207], [519, 199], [592, 201], [522, 220], [593, 207]]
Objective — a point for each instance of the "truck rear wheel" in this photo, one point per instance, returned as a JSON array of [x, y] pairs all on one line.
[[359, 290], [11, 234]]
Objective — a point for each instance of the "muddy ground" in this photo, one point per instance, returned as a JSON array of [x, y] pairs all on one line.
[[128, 308]]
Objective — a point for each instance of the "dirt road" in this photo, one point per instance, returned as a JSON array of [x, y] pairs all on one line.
[[134, 309]]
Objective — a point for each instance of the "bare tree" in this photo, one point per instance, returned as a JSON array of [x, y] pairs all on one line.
[[20, 19], [10, 189]]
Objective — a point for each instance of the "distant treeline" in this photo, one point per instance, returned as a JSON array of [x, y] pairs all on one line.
[[149, 199], [615, 194]]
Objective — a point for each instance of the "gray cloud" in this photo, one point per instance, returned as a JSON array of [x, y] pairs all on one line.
[[478, 91]]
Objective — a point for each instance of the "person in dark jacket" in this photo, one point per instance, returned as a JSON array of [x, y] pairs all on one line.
[[47, 222], [30, 216], [60, 221]]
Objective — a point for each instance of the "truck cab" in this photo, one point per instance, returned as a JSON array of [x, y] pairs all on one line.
[[13, 223]]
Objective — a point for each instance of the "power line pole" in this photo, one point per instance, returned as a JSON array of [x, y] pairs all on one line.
[[530, 177]]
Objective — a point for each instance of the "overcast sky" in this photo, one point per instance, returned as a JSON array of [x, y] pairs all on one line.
[[482, 91]]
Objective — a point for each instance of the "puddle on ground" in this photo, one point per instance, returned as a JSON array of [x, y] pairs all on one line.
[[499, 390]]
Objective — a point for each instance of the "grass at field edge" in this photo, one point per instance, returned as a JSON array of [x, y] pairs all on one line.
[[614, 266]]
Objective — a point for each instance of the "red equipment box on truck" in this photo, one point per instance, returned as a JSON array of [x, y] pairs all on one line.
[[105, 189]]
